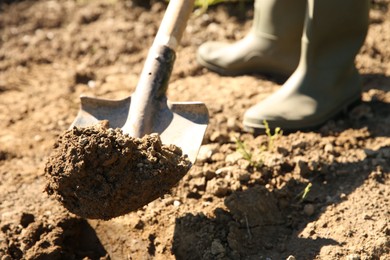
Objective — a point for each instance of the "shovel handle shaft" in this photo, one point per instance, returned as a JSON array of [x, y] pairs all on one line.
[[149, 97], [150, 94], [174, 23]]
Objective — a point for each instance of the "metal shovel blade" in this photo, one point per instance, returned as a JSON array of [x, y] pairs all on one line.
[[180, 123], [148, 111]]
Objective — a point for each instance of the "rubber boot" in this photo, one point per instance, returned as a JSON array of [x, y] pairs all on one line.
[[272, 46], [326, 80]]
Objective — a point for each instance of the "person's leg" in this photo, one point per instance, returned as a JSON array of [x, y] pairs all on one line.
[[326, 80], [271, 46]]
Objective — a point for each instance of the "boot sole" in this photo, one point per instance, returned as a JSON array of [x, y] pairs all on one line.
[[258, 129], [223, 72]]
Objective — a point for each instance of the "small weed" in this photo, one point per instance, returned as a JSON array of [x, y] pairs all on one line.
[[247, 154], [241, 147], [272, 137], [303, 194], [306, 190]]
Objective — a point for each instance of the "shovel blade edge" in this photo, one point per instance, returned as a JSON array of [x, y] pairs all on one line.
[[180, 123]]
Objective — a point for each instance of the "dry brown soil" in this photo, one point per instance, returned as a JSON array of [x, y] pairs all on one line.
[[98, 172], [226, 207]]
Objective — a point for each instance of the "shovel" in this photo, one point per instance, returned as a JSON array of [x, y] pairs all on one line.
[[148, 110]]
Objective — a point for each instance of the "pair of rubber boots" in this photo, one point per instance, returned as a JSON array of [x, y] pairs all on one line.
[[312, 41]]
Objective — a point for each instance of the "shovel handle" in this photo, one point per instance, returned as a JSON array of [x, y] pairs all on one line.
[[174, 23], [149, 97]]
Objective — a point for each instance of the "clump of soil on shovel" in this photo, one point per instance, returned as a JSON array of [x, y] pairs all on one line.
[[100, 173]]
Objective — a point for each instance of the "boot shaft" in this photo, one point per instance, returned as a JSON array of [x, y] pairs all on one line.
[[279, 19], [334, 32]]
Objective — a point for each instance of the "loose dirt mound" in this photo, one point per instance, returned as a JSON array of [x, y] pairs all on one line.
[[48, 236], [99, 173]]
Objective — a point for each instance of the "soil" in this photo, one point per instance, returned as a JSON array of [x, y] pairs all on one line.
[[321, 194], [98, 172]]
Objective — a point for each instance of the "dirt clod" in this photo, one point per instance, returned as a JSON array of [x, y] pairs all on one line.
[[100, 173]]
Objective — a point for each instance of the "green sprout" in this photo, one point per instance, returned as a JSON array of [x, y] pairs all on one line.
[[241, 148], [306, 190], [272, 137], [303, 194], [247, 154]]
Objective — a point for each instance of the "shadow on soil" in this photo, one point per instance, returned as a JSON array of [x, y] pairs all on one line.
[[260, 223], [81, 239], [373, 114]]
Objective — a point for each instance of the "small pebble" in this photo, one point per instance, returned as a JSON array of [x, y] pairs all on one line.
[[91, 83], [217, 248], [38, 138], [328, 148], [353, 257], [309, 209], [244, 176], [217, 187], [232, 124], [233, 157], [206, 151]]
